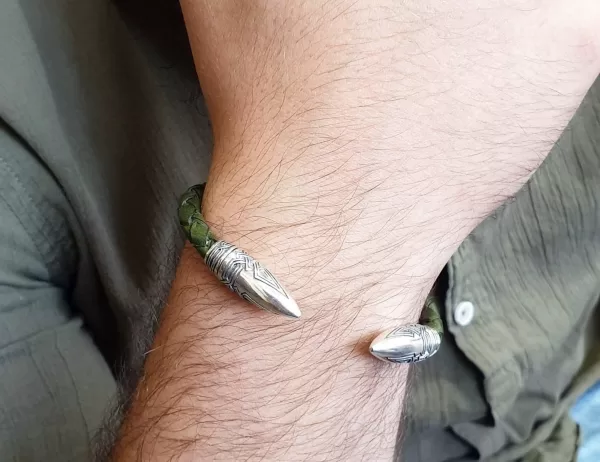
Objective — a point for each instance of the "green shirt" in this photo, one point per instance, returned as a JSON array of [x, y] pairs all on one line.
[[501, 385]]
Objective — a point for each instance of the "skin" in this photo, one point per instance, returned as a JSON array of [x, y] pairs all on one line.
[[357, 143]]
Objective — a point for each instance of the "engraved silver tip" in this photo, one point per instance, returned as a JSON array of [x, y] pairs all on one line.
[[250, 280], [406, 344], [262, 289], [289, 308]]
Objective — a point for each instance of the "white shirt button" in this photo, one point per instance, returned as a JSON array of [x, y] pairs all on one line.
[[464, 313]]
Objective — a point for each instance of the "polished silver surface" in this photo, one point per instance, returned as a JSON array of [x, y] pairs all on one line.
[[406, 344], [249, 279]]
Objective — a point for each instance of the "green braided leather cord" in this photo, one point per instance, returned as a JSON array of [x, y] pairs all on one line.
[[431, 315], [200, 236], [192, 221]]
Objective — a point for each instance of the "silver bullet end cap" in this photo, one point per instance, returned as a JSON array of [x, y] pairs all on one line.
[[406, 344], [250, 279], [286, 307]]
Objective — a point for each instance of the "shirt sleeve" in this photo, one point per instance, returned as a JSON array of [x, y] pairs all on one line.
[[55, 384]]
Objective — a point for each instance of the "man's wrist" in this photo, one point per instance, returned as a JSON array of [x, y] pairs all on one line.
[[351, 160], [238, 381]]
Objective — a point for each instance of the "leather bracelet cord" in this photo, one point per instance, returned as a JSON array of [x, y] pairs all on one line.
[[192, 221], [253, 282]]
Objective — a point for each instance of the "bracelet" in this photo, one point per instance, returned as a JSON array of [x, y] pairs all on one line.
[[412, 343], [235, 268], [250, 280]]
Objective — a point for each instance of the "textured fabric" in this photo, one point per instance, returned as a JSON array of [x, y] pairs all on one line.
[[55, 383], [532, 272], [111, 107], [102, 117], [103, 127]]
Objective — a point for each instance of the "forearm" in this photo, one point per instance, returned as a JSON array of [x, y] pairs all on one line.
[[355, 148]]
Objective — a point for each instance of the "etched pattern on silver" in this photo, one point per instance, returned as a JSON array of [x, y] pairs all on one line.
[[249, 279], [406, 344], [226, 261]]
